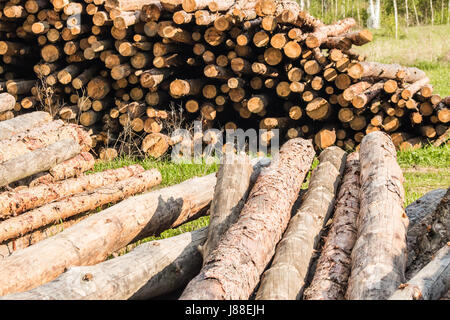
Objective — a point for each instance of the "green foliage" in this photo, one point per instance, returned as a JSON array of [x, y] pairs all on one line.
[[172, 173], [428, 156]]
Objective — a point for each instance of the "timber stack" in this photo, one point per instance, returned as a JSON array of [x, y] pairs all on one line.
[[263, 241], [119, 67]]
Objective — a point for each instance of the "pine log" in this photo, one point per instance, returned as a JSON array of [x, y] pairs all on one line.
[[14, 203], [424, 206], [41, 136], [7, 102], [285, 278], [79, 203], [379, 254], [391, 71], [37, 161], [428, 235], [431, 282], [93, 239], [65, 170], [22, 123], [439, 141], [333, 268], [150, 270], [233, 269], [230, 193], [320, 35]]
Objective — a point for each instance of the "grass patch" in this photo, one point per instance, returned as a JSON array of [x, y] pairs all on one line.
[[418, 183], [428, 156]]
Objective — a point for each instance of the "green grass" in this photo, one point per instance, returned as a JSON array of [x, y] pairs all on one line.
[[425, 47]]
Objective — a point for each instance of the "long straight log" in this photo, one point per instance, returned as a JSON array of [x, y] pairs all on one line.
[[150, 270], [22, 123], [232, 270], [14, 203], [285, 278], [431, 282], [391, 71], [333, 268], [93, 239], [79, 203], [379, 254], [37, 161], [230, 193]]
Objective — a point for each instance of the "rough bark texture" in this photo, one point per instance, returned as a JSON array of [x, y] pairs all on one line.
[[43, 136], [233, 269], [16, 202], [428, 236], [67, 169], [7, 102], [430, 283], [152, 269], [37, 161], [285, 279], [334, 265], [424, 206], [379, 254], [21, 123], [68, 207], [233, 180], [93, 239], [9, 247]]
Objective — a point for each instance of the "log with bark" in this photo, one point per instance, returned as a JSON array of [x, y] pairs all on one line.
[[379, 254], [431, 282], [17, 202], [150, 270], [424, 206], [94, 238], [285, 279], [233, 269], [37, 161], [428, 235], [23, 123], [79, 203], [334, 265]]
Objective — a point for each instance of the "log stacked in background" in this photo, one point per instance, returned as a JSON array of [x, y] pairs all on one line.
[[248, 64]]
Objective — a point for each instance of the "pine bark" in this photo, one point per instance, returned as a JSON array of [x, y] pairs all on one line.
[[93, 239], [233, 269], [230, 193], [150, 270], [285, 279], [14, 203], [37, 161], [379, 254], [22, 123], [424, 206], [79, 203], [43, 136], [431, 282], [334, 265], [428, 236]]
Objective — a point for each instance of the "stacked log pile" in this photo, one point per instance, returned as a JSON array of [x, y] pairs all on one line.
[[254, 246], [119, 66], [42, 165]]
